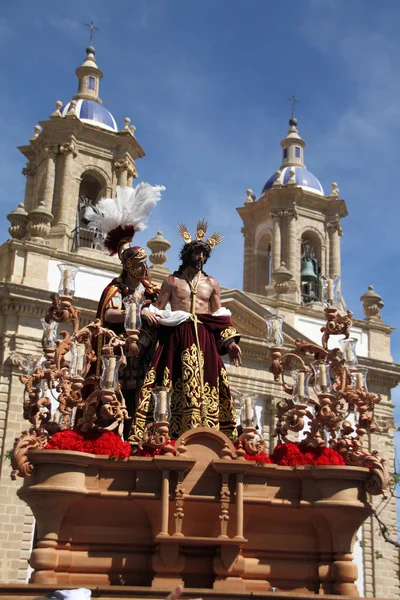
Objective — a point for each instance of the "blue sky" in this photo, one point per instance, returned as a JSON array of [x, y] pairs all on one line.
[[206, 84]]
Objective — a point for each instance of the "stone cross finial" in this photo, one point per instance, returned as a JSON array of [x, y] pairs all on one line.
[[372, 303], [158, 246], [92, 27], [293, 101]]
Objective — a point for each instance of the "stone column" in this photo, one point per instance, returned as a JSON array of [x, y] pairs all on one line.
[[29, 172], [47, 200], [291, 259], [249, 258], [69, 152], [276, 241], [126, 171], [335, 230]]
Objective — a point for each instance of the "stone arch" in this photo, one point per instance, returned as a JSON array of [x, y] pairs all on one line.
[[93, 186], [311, 254], [94, 183]]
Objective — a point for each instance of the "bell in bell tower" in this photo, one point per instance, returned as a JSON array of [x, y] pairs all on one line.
[[292, 231]]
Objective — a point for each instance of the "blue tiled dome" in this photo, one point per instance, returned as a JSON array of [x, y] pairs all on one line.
[[304, 179], [93, 113]]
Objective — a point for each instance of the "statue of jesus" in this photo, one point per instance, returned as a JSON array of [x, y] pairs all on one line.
[[194, 331]]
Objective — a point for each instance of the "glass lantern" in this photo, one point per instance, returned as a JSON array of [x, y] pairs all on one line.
[[349, 354], [330, 291], [301, 379], [78, 360], [133, 306], [162, 400], [109, 375], [247, 410], [274, 330], [359, 378], [67, 281], [49, 336], [322, 378]]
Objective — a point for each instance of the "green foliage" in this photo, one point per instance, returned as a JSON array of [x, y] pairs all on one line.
[[378, 554], [8, 455]]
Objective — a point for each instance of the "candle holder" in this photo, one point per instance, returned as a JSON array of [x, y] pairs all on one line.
[[348, 347], [109, 375], [249, 442], [359, 378], [133, 307], [274, 337], [343, 412], [247, 412], [157, 437], [330, 291], [300, 391], [67, 281], [162, 399], [322, 378], [78, 366]]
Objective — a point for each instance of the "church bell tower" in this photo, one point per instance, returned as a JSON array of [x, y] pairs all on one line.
[[74, 158], [292, 232]]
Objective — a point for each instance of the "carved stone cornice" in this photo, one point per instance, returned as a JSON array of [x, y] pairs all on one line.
[[279, 213], [125, 165], [335, 225], [291, 212], [51, 149], [29, 170], [69, 147], [21, 361]]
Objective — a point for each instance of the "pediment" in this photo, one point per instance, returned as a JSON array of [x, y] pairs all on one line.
[[248, 317]]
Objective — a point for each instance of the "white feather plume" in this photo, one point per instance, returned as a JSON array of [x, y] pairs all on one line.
[[131, 207]]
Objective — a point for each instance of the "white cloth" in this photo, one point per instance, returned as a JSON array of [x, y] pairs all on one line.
[[172, 318], [78, 594]]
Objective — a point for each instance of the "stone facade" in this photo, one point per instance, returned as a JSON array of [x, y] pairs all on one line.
[[71, 161]]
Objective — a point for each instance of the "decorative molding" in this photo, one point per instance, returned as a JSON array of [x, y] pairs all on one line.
[[29, 170], [335, 225], [21, 361], [125, 165], [69, 147]]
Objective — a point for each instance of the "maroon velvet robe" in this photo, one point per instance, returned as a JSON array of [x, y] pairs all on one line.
[[176, 365]]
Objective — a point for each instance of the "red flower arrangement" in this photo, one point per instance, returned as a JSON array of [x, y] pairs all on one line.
[[107, 443], [293, 455], [261, 458]]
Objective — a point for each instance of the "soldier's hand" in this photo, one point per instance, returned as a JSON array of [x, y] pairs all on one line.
[[150, 318], [235, 354]]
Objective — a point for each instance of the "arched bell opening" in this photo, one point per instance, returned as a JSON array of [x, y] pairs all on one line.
[[92, 188], [310, 268]]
